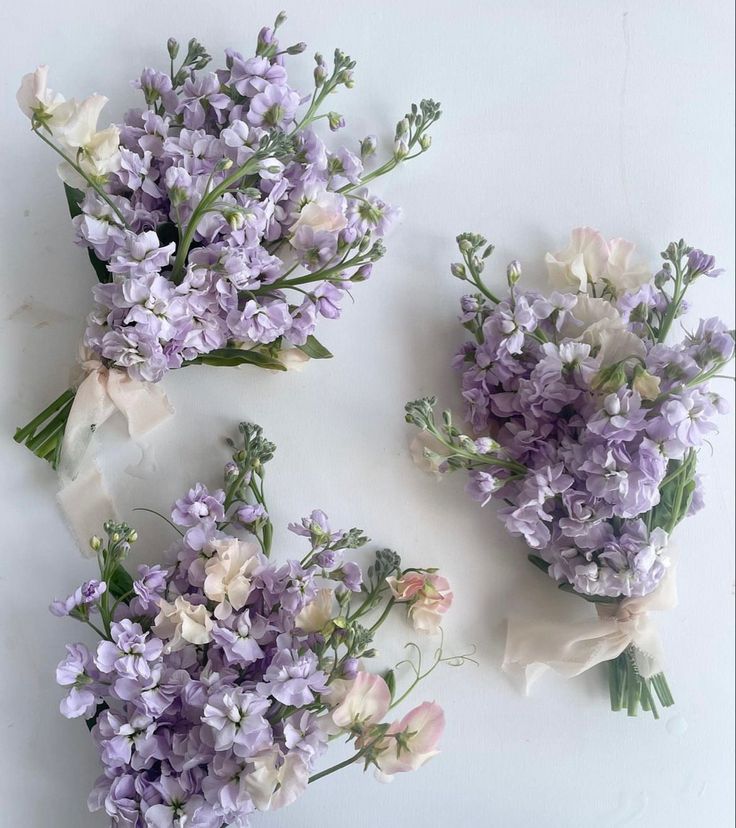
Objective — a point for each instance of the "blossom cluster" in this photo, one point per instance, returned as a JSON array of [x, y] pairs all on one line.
[[584, 422], [219, 677], [220, 224]]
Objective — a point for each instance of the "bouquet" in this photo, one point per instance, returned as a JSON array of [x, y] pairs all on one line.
[[220, 678], [219, 224], [585, 425]]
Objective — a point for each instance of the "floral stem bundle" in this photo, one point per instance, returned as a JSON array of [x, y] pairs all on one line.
[[584, 425], [219, 224], [220, 677]]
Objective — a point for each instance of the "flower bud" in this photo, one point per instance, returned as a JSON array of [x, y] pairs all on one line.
[[368, 146], [362, 274], [513, 272], [95, 543], [425, 142], [645, 384], [335, 120], [172, 46], [401, 149], [458, 271], [296, 49]]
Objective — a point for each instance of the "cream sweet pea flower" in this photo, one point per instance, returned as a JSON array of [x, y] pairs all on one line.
[[78, 121], [589, 260], [34, 97], [581, 262], [228, 574], [621, 273], [599, 324], [276, 781], [324, 211], [97, 153], [293, 358], [182, 623], [366, 702], [414, 742], [317, 612]]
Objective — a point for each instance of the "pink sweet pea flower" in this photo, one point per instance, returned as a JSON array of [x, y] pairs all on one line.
[[366, 702], [412, 741], [428, 595]]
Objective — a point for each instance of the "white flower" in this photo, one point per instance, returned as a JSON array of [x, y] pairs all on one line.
[[325, 210], [317, 612], [645, 384], [589, 259], [599, 324], [34, 97], [620, 272], [272, 785], [97, 153], [228, 574], [582, 261], [77, 121], [293, 358], [614, 341], [182, 622], [366, 702]]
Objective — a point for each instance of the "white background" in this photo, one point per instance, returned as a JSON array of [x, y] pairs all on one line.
[[556, 114]]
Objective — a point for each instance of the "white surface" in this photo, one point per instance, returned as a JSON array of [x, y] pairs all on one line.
[[556, 114]]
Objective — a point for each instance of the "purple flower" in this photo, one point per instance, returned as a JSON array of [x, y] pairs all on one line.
[[129, 652], [234, 721], [293, 678], [304, 732], [621, 418], [481, 486], [701, 263], [141, 255], [351, 576], [73, 673], [199, 506], [239, 639], [275, 106], [87, 594], [260, 323], [150, 585], [252, 512]]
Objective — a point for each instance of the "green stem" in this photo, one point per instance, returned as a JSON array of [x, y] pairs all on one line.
[[250, 166], [21, 433], [384, 615], [340, 765]]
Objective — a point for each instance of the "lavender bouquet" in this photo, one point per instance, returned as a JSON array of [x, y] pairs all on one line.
[[585, 425], [219, 679], [219, 224]]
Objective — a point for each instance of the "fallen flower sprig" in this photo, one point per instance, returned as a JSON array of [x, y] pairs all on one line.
[[584, 425], [220, 225], [221, 676]]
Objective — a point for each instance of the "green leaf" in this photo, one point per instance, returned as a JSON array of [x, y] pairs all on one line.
[[120, 583], [74, 198], [237, 356], [315, 349], [538, 562], [92, 721]]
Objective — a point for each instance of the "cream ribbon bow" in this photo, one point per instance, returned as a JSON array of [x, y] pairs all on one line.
[[532, 647], [83, 495]]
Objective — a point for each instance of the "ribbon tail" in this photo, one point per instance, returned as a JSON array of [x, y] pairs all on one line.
[[86, 504]]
